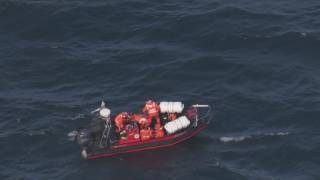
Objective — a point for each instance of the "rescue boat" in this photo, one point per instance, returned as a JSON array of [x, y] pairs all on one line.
[[100, 139]]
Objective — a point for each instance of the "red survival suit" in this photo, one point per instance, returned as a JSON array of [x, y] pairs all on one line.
[[153, 111], [120, 120], [141, 120]]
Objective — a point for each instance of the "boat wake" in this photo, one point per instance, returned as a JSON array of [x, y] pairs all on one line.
[[72, 135], [235, 139]]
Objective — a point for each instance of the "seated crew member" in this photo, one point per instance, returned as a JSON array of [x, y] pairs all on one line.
[[141, 120], [159, 132], [121, 120], [152, 108], [146, 133]]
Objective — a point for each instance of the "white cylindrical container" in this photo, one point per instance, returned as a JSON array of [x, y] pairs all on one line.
[[185, 121], [175, 106], [171, 107], [163, 107], [176, 125]]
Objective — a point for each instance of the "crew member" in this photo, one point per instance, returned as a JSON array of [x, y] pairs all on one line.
[[152, 108], [146, 133], [120, 120], [159, 132], [141, 120]]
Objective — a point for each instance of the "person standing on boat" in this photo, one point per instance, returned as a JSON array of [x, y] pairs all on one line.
[[153, 109]]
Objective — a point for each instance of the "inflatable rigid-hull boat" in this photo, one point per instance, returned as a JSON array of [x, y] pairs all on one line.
[[197, 124]]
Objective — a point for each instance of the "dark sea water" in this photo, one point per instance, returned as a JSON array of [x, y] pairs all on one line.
[[256, 62]]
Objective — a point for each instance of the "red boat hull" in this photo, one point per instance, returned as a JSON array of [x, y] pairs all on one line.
[[166, 141]]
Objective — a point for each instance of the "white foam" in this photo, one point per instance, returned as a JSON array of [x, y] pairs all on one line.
[[227, 139], [277, 134], [233, 139], [72, 135], [79, 116], [282, 133]]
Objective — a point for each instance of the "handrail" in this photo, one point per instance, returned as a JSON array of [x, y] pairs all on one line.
[[208, 115]]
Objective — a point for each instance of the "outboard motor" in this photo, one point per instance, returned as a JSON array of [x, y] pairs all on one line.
[[84, 137]]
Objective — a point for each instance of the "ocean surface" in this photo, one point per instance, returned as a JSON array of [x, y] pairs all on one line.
[[256, 62]]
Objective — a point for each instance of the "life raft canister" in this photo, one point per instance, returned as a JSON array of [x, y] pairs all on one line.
[[171, 107], [176, 125]]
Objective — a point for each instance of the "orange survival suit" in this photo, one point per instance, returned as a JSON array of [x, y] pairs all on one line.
[[141, 120], [153, 111], [120, 120]]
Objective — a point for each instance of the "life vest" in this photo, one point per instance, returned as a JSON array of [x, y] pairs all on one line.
[[146, 134]]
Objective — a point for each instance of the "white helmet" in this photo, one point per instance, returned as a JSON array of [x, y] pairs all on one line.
[[105, 112]]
